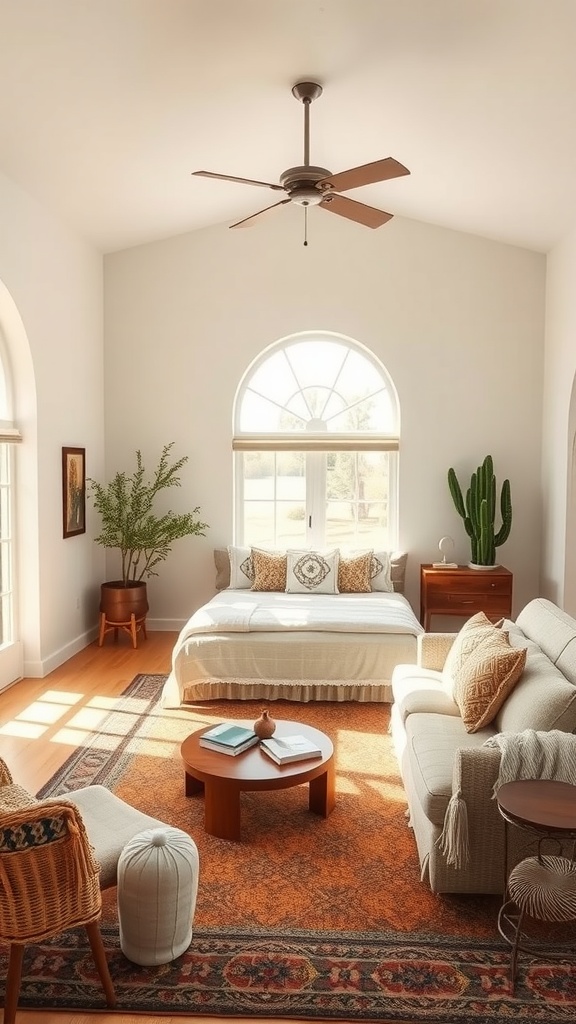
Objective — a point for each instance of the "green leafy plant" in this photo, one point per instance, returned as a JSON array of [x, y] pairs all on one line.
[[129, 523], [479, 511]]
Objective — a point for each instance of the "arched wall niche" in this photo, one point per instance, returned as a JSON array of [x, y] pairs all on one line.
[[20, 377]]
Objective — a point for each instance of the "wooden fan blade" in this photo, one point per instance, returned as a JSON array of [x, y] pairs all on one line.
[[359, 212], [243, 181], [248, 220], [367, 174]]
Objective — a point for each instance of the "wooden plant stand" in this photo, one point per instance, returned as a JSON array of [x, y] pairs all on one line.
[[132, 627]]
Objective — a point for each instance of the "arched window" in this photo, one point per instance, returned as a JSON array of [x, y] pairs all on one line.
[[316, 434], [10, 649]]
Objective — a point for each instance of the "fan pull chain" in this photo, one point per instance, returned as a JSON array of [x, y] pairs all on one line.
[[305, 225]]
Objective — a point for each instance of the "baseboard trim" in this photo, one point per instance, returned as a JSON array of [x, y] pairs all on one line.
[[39, 669]]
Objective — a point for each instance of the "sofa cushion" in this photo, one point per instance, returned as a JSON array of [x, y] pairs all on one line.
[[550, 627], [418, 690], [431, 742], [465, 641], [486, 678], [542, 699]]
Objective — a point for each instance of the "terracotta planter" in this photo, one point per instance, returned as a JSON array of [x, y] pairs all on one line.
[[118, 601]]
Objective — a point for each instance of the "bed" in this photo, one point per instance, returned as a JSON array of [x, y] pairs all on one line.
[[245, 644]]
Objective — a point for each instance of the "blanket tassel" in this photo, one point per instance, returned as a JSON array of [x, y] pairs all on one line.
[[453, 842]]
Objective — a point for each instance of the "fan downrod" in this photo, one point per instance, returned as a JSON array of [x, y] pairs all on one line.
[[307, 91]]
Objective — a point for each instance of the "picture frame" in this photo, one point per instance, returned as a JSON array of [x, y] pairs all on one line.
[[73, 491]]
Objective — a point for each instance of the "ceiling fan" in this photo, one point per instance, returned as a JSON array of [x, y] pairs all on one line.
[[308, 185]]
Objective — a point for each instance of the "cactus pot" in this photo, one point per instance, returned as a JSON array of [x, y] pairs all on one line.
[[472, 565], [118, 601]]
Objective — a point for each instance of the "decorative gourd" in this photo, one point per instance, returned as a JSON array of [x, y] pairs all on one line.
[[479, 511]]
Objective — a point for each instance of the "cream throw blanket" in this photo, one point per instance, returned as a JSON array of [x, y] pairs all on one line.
[[524, 755]]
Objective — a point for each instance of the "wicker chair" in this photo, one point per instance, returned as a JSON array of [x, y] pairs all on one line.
[[49, 882]]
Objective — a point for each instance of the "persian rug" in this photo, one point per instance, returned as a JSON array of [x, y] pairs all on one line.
[[305, 917]]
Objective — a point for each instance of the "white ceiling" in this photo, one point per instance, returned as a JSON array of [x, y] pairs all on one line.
[[106, 106]]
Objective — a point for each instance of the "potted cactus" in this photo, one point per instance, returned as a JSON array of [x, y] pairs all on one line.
[[479, 512]]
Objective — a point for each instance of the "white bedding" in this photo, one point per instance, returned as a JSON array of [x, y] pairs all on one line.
[[249, 611], [252, 644]]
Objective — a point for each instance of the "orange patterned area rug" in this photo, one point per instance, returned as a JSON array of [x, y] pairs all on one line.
[[305, 917]]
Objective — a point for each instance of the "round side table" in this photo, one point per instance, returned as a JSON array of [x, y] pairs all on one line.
[[543, 887]]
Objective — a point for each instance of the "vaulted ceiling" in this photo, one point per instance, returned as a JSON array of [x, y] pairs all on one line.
[[107, 106]]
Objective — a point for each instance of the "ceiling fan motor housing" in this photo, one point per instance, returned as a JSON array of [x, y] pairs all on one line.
[[301, 184]]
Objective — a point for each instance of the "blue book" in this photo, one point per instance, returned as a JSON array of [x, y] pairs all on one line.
[[229, 736]]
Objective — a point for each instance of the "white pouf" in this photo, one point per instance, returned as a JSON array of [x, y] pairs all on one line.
[[157, 888]]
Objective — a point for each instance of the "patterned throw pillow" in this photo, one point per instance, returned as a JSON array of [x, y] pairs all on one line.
[[312, 572], [380, 569], [269, 570], [465, 642], [486, 678], [241, 568], [380, 578], [354, 574]]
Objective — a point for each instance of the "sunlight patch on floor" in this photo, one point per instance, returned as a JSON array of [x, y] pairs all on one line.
[[152, 747], [24, 730], [74, 738]]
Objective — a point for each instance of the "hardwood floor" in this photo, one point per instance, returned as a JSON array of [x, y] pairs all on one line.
[[42, 722]]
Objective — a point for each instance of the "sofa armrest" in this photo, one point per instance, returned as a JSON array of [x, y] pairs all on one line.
[[433, 648], [475, 774]]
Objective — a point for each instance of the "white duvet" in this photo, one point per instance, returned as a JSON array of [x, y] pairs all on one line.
[[246, 611]]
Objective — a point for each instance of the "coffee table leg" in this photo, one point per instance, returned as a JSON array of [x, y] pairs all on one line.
[[192, 785], [322, 798], [221, 810]]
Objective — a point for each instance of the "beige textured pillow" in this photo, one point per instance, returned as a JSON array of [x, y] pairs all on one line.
[[486, 678], [465, 642], [354, 574], [269, 570]]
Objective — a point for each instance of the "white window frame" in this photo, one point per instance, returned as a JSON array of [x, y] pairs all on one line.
[[316, 442]]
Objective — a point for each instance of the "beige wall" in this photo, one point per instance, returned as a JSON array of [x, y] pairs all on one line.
[[559, 429], [458, 321]]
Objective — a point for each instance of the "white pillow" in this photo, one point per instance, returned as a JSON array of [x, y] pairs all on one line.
[[380, 578], [241, 568], [312, 572]]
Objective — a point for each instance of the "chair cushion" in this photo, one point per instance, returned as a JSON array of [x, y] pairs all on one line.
[[110, 824]]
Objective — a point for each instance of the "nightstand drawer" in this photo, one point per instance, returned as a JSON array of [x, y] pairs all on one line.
[[489, 603], [464, 591], [467, 583]]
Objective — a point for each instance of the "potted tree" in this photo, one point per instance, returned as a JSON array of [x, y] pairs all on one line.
[[143, 537]]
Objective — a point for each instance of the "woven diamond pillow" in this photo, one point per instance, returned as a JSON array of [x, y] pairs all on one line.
[[486, 678], [472, 632]]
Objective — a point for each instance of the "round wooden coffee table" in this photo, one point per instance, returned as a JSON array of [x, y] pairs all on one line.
[[223, 777]]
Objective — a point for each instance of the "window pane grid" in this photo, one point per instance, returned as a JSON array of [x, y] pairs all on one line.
[[316, 445]]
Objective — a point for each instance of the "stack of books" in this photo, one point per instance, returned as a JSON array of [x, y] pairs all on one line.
[[229, 739], [285, 749]]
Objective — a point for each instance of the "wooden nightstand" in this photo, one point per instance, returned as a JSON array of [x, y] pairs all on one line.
[[464, 592]]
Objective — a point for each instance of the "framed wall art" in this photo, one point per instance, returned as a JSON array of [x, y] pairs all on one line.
[[74, 491]]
